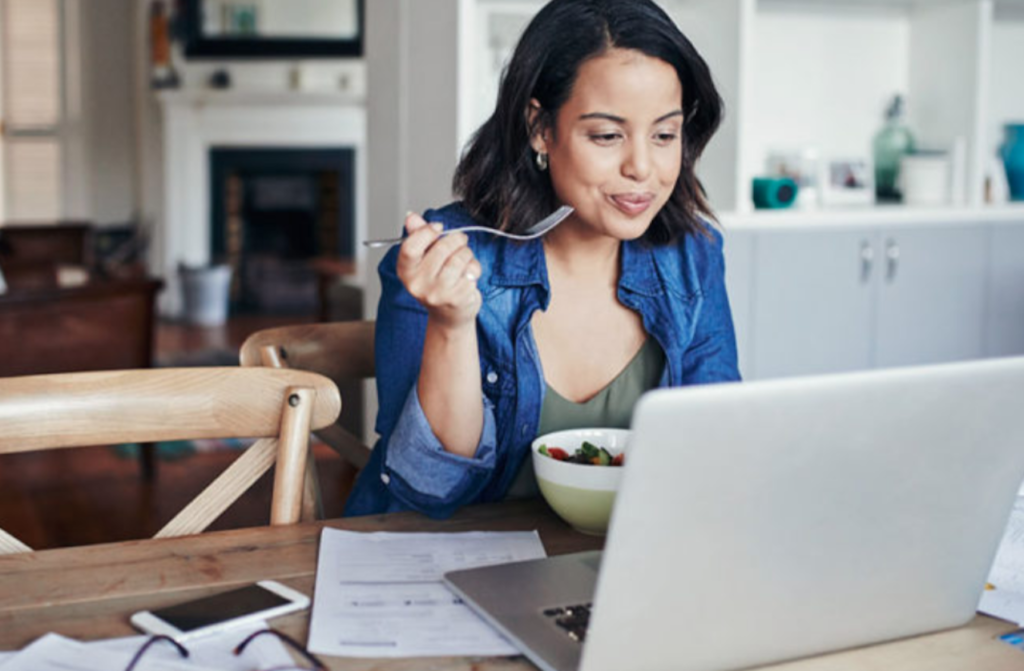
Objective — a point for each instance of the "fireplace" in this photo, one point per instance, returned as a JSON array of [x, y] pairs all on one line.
[[273, 211], [198, 121]]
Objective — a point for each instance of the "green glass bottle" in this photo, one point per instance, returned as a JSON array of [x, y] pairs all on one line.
[[890, 145]]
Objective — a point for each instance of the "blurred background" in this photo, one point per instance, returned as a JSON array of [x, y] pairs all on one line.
[[176, 174]]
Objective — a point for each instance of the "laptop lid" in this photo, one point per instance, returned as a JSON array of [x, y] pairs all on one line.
[[763, 521]]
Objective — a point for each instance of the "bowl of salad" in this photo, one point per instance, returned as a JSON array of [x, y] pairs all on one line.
[[578, 472]]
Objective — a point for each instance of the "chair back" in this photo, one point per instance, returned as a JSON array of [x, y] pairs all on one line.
[[341, 351], [278, 407]]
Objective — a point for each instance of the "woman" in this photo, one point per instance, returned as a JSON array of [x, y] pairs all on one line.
[[605, 106]]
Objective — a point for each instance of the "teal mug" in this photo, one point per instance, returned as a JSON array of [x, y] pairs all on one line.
[[774, 192]]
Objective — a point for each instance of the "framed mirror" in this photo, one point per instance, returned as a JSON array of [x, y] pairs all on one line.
[[273, 28]]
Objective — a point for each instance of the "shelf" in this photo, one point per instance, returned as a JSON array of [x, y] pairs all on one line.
[[877, 215], [233, 97]]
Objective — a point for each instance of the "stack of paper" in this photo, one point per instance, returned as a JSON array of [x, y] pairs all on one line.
[[212, 653], [380, 594], [1005, 598]]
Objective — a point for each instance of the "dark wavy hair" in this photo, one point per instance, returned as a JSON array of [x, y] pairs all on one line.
[[497, 179]]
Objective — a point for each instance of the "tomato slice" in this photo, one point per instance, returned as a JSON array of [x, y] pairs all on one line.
[[618, 459], [558, 453]]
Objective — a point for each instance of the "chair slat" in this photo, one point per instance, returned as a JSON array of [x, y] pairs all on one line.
[[205, 508]]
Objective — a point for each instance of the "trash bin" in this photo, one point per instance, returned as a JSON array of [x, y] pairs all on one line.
[[206, 293]]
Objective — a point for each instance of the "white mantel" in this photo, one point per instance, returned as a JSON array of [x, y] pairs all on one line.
[[195, 121]]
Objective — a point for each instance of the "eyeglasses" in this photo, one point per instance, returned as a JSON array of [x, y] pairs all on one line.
[[314, 663]]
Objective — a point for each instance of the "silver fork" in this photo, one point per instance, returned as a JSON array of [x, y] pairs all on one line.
[[535, 231]]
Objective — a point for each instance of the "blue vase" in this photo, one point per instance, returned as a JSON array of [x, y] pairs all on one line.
[[1013, 158]]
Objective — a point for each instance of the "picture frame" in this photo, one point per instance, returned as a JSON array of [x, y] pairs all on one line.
[[847, 180], [244, 43]]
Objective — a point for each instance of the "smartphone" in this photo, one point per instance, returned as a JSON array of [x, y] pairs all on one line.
[[213, 614]]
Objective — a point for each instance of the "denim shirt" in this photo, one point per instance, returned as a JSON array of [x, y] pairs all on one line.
[[678, 289]]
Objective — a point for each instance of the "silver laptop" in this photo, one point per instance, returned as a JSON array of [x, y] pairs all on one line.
[[764, 521]]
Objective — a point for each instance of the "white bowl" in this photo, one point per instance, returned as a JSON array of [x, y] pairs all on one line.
[[581, 494]]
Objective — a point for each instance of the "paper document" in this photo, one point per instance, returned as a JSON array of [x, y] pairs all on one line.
[[380, 594], [211, 653], [1006, 601], [56, 653]]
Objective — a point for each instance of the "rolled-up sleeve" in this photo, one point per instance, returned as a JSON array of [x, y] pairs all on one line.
[[415, 468], [423, 474]]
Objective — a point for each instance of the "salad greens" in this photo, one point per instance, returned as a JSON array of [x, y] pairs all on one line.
[[587, 453]]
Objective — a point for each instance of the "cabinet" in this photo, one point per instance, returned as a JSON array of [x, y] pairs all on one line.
[[930, 289], [850, 298], [813, 302], [1005, 324]]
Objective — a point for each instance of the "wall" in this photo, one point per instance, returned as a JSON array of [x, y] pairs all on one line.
[[109, 107], [412, 113], [795, 102], [1007, 94], [100, 164]]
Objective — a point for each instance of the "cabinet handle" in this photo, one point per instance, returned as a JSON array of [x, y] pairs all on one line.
[[892, 259], [867, 261]]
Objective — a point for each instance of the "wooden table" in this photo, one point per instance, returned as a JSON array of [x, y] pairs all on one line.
[[89, 592]]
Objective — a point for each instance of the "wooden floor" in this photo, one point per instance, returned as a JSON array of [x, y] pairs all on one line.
[[96, 494]]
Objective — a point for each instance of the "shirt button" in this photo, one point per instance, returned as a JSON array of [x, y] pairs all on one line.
[[492, 377], [385, 478]]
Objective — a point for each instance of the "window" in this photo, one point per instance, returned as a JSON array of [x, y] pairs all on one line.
[[33, 107]]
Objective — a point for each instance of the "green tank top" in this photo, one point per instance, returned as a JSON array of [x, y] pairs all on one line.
[[612, 407]]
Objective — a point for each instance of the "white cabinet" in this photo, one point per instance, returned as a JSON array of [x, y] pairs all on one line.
[[850, 298], [930, 305], [812, 302], [1005, 323]]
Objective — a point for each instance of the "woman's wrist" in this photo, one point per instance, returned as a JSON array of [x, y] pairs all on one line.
[[451, 326]]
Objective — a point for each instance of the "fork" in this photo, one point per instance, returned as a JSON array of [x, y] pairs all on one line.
[[535, 231]]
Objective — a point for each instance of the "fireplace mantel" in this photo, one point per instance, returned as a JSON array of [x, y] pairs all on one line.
[[194, 121]]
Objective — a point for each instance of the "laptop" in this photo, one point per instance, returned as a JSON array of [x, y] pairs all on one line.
[[764, 521]]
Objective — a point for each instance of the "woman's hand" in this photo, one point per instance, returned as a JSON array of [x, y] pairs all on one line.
[[440, 272]]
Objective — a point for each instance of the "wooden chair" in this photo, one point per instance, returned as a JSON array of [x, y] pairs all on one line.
[[342, 351], [279, 407]]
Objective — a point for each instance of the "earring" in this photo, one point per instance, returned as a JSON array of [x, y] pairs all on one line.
[[542, 161]]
